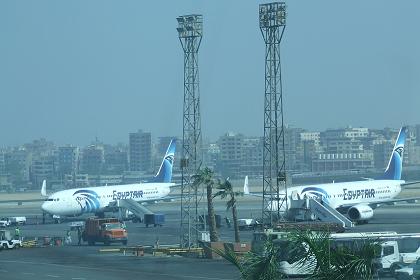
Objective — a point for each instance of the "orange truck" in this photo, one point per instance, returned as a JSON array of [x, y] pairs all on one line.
[[106, 230]]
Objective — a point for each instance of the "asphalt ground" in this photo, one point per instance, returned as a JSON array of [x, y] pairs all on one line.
[[79, 263]]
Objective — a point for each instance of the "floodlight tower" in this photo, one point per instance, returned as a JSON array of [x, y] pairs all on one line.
[[190, 32], [272, 25]]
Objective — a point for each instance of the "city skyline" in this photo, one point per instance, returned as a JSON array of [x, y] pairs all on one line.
[[74, 71], [345, 151], [155, 138]]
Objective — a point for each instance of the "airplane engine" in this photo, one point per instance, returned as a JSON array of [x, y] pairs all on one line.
[[360, 212]]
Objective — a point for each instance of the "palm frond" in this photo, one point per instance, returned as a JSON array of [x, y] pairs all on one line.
[[231, 257], [330, 262], [231, 202], [238, 193]]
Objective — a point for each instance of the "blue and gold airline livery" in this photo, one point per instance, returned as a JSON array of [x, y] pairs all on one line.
[[358, 198], [74, 202]]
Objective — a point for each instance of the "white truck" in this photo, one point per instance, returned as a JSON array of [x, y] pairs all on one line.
[[17, 221], [5, 222], [397, 250], [244, 224], [408, 272], [7, 241]]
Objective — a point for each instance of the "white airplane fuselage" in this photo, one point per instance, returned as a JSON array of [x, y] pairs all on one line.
[[347, 194], [78, 201]]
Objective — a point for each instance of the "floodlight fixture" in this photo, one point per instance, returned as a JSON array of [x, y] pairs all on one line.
[[190, 26], [273, 15]]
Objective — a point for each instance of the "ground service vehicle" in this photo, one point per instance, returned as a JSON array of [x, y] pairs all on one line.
[[244, 224], [7, 241], [411, 271], [17, 220], [154, 219], [396, 249], [5, 222], [106, 230]]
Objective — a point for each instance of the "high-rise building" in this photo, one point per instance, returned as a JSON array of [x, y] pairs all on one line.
[[231, 154], [5, 183], [140, 151], [311, 145], [293, 147], [381, 153], [68, 160], [2, 163], [417, 131], [344, 149], [252, 163], [17, 163], [116, 159], [92, 159], [43, 168]]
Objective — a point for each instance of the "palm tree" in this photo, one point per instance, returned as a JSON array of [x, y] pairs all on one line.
[[225, 189], [331, 262], [255, 266], [206, 176], [314, 252]]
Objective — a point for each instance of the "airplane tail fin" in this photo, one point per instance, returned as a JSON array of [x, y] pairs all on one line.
[[246, 187], [164, 174], [44, 188], [394, 168]]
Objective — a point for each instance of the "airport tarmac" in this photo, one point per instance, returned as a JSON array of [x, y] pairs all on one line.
[[85, 262]]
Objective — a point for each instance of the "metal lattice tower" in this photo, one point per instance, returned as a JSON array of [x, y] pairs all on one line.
[[272, 25], [190, 31]]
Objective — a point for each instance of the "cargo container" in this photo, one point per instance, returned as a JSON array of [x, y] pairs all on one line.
[[154, 219]]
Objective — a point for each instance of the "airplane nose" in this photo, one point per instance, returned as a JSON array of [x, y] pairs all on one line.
[[45, 207]]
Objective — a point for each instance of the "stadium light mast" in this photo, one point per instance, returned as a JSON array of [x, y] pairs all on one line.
[[272, 21], [190, 33]]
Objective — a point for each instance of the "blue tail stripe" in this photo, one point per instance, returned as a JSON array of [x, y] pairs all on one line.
[[164, 174], [394, 168]]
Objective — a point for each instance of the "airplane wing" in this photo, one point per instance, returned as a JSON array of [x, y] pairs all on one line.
[[367, 179], [410, 183], [21, 201], [409, 200]]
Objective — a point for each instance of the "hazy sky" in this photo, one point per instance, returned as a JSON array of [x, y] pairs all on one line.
[[71, 71]]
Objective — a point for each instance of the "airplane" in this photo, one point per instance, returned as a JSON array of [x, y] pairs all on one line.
[[357, 199], [78, 201]]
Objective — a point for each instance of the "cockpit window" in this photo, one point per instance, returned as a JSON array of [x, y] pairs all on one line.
[[52, 199]]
